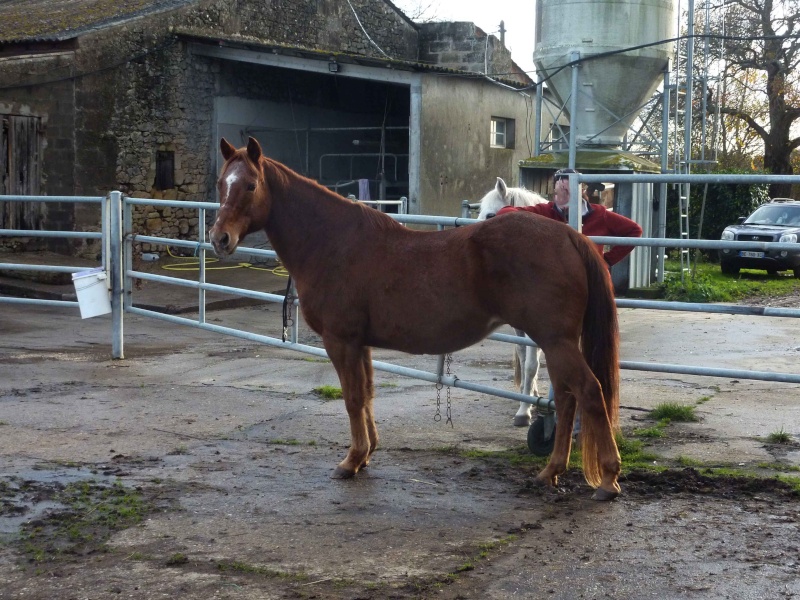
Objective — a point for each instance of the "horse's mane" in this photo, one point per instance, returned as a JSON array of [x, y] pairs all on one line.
[[519, 196], [284, 177]]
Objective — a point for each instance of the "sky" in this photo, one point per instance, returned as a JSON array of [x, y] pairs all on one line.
[[517, 15]]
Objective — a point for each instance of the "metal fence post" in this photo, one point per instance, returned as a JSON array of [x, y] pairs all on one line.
[[201, 256], [116, 261]]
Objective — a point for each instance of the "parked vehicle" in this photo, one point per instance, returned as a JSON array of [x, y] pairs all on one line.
[[775, 221]]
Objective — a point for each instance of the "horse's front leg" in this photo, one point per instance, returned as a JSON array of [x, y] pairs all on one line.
[[354, 366]]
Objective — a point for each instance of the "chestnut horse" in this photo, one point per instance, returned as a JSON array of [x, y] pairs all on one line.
[[365, 281]]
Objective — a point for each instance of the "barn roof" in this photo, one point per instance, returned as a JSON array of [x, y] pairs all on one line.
[[59, 20], [259, 45]]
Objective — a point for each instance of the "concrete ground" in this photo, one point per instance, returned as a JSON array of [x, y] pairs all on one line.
[[746, 411], [229, 439]]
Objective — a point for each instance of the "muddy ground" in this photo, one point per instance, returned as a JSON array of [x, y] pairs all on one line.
[[198, 467]]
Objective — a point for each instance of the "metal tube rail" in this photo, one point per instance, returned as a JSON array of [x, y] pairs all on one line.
[[58, 303], [381, 366], [209, 287], [172, 203], [725, 309], [44, 268], [710, 371], [70, 199], [93, 235], [706, 244], [201, 245], [682, 178]]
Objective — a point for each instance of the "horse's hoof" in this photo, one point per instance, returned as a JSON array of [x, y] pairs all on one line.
[[522, 421], [602, 495], [545, 482], [342, 473]]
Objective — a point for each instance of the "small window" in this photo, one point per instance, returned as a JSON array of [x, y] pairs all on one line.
[[559, 137], [502, 133], [165, 170]]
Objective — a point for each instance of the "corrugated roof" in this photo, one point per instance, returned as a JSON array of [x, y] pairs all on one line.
[[58, 20]]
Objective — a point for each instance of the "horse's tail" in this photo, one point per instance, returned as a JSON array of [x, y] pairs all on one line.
[[517, 370], [600, 348]]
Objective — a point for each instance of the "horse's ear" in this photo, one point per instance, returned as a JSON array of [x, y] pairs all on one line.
[[501, 187], [253, 150], [226, 149]]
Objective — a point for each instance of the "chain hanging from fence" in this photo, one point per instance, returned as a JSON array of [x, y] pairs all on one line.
[[445, 360]]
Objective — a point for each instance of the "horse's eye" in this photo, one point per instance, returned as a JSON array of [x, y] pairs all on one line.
[[251, 187]]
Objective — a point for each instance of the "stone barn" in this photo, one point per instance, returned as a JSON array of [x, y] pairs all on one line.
[[133, 95]]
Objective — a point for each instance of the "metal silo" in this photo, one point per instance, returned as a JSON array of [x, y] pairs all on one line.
[[611, 89]]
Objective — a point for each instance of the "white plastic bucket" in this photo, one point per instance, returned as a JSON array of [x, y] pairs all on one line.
[[92, 289]]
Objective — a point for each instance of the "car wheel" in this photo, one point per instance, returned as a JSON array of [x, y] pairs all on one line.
[[796, 271], [772, 271], [729, 269]]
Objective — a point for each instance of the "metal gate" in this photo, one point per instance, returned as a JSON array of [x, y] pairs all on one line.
[[118, 237]]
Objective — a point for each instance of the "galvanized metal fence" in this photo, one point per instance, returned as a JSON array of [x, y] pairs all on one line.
[[28, 233], [118, 238]]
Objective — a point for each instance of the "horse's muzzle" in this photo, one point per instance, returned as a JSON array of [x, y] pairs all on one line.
[[222, 242]]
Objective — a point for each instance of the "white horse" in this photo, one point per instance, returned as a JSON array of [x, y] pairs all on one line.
[[529, 356]]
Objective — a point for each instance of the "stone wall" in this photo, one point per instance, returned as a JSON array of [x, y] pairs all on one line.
[[465, 47], [120, 94]]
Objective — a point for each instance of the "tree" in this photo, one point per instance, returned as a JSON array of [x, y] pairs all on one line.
[[421, 11], [762, 49]]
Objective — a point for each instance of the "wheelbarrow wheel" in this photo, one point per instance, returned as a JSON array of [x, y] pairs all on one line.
[[538, 444]]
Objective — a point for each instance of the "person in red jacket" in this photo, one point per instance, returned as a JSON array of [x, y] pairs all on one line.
[[597, 219]]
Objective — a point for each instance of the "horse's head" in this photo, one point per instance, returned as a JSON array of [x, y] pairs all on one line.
[[244, 201], [494, 200]]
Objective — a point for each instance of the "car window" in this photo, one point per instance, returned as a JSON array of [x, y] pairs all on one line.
[[772, 214]]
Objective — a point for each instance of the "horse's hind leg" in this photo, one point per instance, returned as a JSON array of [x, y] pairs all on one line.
[[354, 366], [573, 382]]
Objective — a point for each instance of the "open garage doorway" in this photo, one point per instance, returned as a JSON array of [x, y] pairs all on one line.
[[351, 135]]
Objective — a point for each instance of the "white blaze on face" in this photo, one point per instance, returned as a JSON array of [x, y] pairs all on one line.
[[229, 181]]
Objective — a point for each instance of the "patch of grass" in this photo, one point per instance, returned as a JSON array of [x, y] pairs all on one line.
[[793, 482], [656, 431], [779, 467], [178, 450], [512, 456], [672, 411], [279, 442], [727, 472], [708, 284], [315, 360], [387, 384], [3, 422], [483, 553], [92, 513], [779, 437], [685, 461], [328, 392], [177, 559], [633, 454], [703, 400]]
